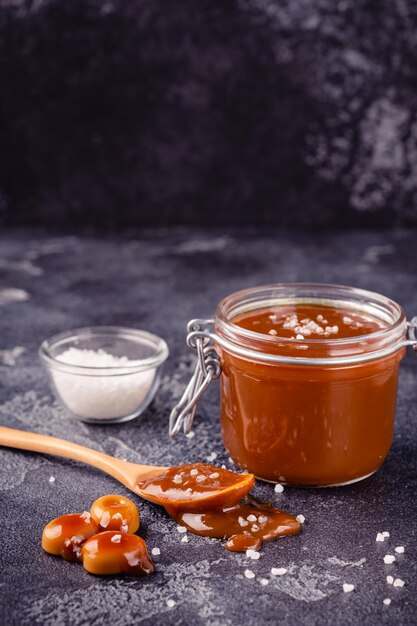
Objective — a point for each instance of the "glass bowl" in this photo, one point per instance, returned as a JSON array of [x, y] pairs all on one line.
[[104, 374]]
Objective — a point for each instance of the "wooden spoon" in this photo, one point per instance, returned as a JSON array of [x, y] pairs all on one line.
[[129, 474]]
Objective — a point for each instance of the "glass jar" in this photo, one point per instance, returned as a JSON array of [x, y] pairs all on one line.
[[316, 412]]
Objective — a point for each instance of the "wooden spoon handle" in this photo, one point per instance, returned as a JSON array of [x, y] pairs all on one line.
[[121, 470]]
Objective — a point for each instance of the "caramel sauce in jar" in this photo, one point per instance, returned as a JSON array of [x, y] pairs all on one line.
[[314, 402]]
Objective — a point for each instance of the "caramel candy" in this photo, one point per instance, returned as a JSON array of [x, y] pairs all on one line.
[[113, 512], [115, 552], [65, 535]]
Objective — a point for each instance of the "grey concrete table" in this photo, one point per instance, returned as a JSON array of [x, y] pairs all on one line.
[[159, 280]]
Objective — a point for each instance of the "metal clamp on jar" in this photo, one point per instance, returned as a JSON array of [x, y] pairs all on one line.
[[312, 410]]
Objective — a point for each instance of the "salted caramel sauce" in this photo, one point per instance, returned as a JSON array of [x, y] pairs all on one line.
[[243, 522], [242, 542], [65, 535], [114, 552], [196, 487], [309, 321], [180, 490], [303, 424], [114, 512]]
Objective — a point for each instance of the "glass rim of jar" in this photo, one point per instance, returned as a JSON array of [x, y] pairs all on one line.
[[250, 344]]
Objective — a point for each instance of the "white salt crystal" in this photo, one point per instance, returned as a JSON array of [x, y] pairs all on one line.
[[76, 539], [201, 478], [399, 549], [190, 435], [105, 519], [184, 539], [263, 582], [86, 515], [251, 518], [253, 554], [385, 533], [181, 529], [398, 582], [299, 336], [171, 603], [389, 558], [387, 601], [249, 574], [52, 479], [193, 472], [301, 519], [278, 571], [380, 537], [116, 539], [254, 528], [272, 332], [177, 479], [211, 456], [156, 551], [262, 519], [104, 396], [390, 580], [242, 521], [214, 475], [347, 587], [278, 488]]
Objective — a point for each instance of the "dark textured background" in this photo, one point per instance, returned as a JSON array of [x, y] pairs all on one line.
[[158, 282], [297, 113]]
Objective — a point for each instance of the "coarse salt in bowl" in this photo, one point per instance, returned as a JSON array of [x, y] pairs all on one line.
[[104, 374]]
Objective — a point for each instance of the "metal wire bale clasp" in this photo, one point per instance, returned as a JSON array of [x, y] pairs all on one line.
[[207, 369]]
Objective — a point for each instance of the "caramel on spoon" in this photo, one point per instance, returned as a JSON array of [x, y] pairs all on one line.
[[157, 484]]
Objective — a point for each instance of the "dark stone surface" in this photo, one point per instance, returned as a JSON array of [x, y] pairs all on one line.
[[240, 111], [159, 281]]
